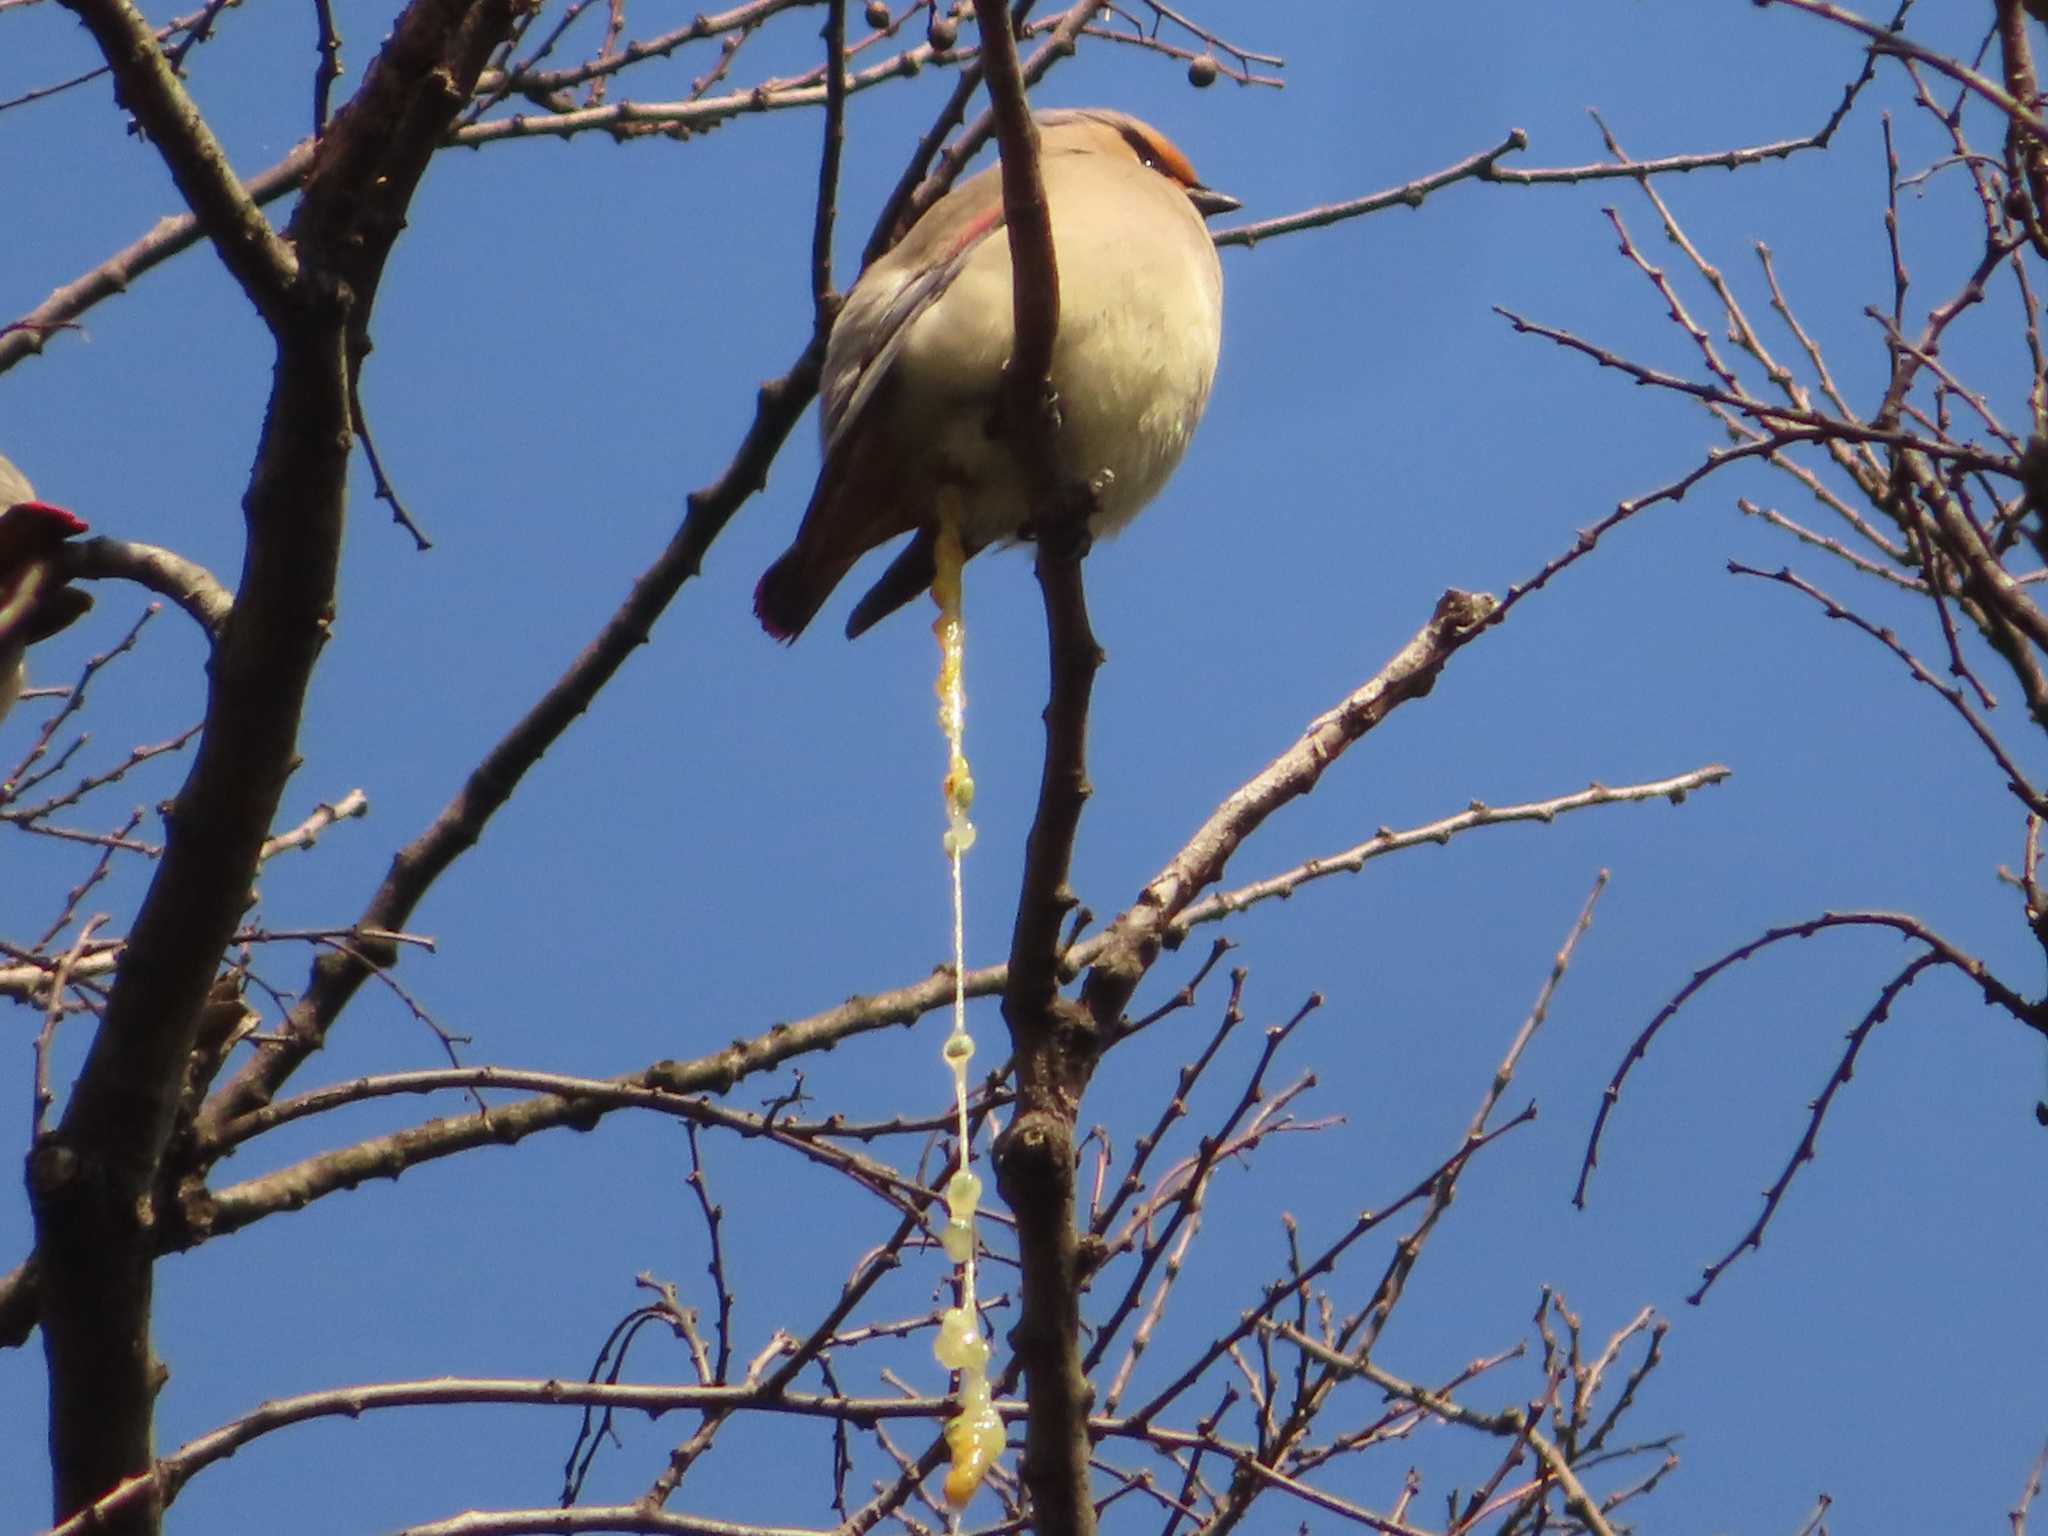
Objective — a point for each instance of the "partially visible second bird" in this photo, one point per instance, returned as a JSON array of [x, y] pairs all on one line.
[[913, 376], [34, 601]]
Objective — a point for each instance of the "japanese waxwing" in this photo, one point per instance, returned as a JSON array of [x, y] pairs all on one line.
[[34, 602], [913, 371]]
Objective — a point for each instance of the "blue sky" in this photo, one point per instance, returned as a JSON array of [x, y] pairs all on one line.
[[568, 342]]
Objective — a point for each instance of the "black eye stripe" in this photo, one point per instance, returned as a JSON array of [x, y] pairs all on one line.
[[1155, 156]]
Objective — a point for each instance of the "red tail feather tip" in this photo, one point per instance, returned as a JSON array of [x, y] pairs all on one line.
[[62, 523]]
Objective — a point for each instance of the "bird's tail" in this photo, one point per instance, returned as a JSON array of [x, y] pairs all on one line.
[[909, 575], [792, 590]]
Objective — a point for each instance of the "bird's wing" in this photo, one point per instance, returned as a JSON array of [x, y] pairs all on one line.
[[892, 324], [22, 590]]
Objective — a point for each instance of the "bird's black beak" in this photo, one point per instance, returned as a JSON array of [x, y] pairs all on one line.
[[1209, 202]]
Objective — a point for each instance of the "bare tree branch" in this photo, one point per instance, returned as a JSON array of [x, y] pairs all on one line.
[[147, 84]]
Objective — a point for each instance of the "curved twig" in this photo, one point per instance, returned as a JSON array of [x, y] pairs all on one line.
[[188, 584]]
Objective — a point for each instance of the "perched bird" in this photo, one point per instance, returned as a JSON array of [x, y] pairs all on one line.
[[913, 373], [34, 601]]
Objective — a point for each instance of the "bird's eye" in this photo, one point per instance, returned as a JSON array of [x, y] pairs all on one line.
[[1144, 149], [1162, 158]]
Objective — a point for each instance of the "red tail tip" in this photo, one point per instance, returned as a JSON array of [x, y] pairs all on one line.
[[62, 523]]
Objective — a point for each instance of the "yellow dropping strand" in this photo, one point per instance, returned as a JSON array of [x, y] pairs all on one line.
[[975, 1434]]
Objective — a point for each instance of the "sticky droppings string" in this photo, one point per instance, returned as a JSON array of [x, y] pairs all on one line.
[[974, 1434]]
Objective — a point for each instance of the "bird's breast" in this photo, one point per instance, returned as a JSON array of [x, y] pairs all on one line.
[[1133, 378]]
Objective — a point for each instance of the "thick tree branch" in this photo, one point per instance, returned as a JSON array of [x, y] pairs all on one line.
[[1054, 1057], [2016, 55], [93, 1181], [826, 217]]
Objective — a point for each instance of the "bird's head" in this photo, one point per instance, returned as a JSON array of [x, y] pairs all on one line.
[[1100, 131]]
